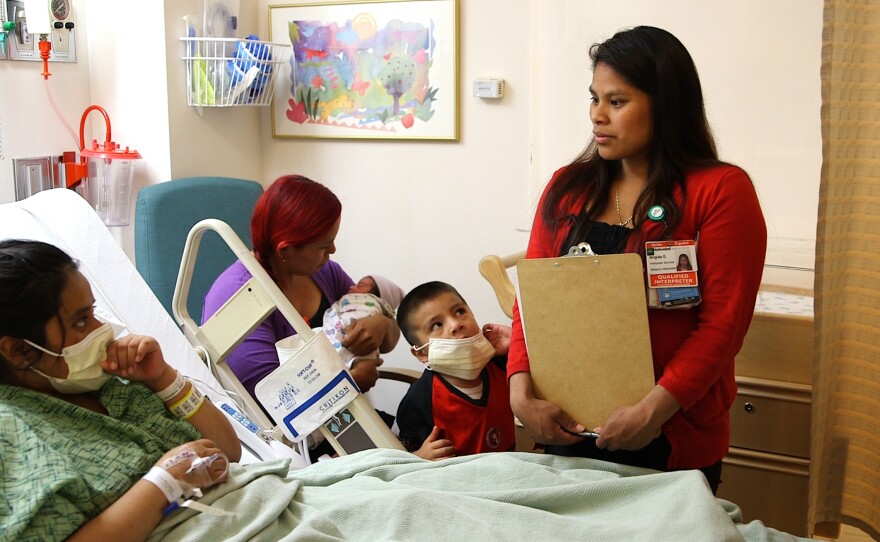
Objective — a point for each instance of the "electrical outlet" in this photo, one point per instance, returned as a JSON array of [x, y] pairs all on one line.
[[34, 175]]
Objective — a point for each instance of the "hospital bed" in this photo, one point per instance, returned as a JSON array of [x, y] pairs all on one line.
[[63, 218], [384, 494]]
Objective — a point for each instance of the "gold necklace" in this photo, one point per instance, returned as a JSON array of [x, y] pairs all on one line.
[[620, 220]]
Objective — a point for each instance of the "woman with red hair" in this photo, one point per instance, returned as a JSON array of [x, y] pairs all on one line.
[[293, 229]]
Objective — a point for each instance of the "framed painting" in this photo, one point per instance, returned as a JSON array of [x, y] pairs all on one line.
[[377, 69]]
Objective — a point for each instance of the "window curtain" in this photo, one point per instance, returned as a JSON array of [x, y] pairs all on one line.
[[845, 453]]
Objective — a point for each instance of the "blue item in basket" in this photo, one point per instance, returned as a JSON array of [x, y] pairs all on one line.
[[248, 53]]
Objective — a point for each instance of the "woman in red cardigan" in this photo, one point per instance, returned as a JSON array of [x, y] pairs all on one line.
[[652, 173]]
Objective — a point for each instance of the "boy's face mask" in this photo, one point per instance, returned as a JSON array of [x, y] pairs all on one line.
[[461, 358], [84, 372]]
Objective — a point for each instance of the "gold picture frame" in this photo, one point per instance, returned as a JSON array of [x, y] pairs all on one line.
[[375, 69]]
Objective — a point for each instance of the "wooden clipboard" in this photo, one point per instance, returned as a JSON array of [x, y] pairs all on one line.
[[585, 320]]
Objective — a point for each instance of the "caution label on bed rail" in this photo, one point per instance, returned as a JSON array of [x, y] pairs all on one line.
[[308, 388]]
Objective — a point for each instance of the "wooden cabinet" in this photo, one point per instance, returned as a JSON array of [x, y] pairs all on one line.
[[771, 416], [768, 487], [766, 471]]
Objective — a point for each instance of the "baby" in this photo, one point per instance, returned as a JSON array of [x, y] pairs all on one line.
[[373, 294]]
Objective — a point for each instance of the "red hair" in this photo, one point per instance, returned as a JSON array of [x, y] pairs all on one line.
[[294, 210]]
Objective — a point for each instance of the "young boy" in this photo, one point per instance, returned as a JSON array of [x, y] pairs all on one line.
[[461, 404]]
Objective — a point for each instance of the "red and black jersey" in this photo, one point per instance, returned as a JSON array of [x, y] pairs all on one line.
[[473, 426]]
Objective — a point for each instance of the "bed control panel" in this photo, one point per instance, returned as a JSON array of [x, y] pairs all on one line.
[[349, 434]]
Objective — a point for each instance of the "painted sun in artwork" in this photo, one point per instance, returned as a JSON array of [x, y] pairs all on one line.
[[364, 25]]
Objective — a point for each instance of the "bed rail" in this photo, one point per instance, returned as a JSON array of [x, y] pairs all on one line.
[[235, 320]]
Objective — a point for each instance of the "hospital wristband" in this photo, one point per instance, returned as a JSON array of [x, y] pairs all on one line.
[[174, 388], [189, 405], [167, 484]]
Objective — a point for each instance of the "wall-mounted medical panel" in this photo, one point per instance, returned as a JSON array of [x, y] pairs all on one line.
[[22, 45]]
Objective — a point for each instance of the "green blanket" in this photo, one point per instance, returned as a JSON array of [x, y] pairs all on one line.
[[391, 495]]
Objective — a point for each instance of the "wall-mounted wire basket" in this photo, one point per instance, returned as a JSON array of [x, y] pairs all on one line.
[[225, 72]]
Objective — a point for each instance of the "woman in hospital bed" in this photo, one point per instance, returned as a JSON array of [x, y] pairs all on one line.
[[88, 456], [75, 440]]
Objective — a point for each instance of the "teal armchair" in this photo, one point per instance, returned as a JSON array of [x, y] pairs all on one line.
[[164, 215]]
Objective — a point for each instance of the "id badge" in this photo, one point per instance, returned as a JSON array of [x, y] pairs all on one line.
[[673, 281]]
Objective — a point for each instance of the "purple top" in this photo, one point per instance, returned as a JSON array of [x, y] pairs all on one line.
[[256, 357]]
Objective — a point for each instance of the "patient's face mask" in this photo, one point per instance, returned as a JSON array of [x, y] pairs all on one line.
[[462, 358], [84, 372]]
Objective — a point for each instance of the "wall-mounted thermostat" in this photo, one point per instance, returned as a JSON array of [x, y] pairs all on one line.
[[489, 88]]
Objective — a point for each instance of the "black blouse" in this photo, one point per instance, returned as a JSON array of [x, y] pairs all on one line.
[[603, 238]]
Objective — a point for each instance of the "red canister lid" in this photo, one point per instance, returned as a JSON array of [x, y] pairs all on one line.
[[110, 150]]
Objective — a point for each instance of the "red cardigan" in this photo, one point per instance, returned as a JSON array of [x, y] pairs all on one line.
[[693, 349]]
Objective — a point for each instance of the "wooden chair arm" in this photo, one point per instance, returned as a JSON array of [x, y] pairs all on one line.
[[399, 374], [494, 269]]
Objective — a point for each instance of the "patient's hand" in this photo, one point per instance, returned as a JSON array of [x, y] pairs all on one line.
[[499, 336], [135, 357], [436, 447], [178, 461]]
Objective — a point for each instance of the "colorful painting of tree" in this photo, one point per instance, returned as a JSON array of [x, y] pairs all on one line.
[[356, 74]]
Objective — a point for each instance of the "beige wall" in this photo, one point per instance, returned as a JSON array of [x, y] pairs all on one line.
[[418, 211], [759, 66], [222, 141]]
